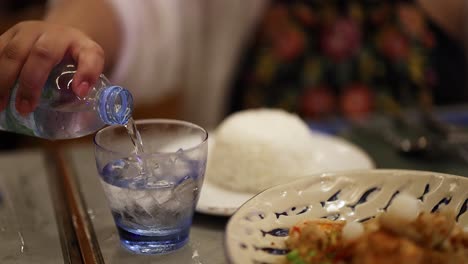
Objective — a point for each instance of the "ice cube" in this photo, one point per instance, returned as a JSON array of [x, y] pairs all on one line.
[[134, 167], [147, 202], [145, 211], [153, 168], [171, 171], [142, 216], [117, 197], [180, 169], [136, 194], [176, 156], [186, 192], [162, 195]]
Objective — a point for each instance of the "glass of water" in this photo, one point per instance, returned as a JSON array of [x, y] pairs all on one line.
[[152, 194]]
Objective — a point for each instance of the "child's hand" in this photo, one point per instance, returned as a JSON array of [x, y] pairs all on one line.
[[29, 51]]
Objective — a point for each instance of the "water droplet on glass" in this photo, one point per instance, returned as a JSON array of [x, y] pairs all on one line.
[[117, 107], [109, 237], [91, 214], [22, 243], [173, 159]]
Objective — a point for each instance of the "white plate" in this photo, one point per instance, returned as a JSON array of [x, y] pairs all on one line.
[[256, 233], [333, 154]]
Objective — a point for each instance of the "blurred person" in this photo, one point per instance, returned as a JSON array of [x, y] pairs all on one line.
[[316, 58]]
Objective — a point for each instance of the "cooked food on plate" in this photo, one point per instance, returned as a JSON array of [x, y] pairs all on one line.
[[404, 235]]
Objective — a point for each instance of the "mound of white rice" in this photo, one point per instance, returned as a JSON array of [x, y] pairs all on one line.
[[257, 149]]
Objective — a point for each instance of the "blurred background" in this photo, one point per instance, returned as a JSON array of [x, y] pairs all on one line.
[[321, 60]]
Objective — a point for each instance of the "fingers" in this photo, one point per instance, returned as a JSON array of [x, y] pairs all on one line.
[[90, 61], [14, 49], [30, 50], [46, 52]]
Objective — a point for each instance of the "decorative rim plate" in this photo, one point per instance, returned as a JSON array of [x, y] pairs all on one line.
[[257, 231], [333, 153]]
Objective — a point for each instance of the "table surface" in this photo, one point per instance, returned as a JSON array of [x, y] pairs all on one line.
[[28, 229], [27, 221]]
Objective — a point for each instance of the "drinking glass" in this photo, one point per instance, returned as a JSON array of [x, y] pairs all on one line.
[[152, 195]]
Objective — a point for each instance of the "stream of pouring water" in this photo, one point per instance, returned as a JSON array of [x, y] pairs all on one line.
[[139, 150], [135, 136]]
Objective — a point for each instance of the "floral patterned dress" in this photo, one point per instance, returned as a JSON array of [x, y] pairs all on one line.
[[323, 59]]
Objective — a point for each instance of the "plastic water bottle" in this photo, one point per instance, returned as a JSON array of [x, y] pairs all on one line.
[[62, 115]]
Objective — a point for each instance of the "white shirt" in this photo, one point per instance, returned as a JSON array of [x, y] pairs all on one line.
[[193, 45]]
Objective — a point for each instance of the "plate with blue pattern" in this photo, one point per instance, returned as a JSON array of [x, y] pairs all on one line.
[[256, 233]]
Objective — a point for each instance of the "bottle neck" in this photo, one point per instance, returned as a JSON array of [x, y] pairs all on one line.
[[114, 105]]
